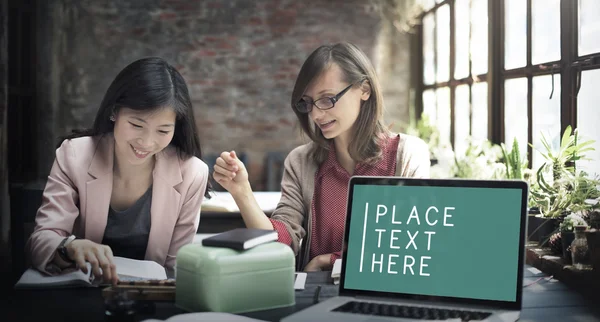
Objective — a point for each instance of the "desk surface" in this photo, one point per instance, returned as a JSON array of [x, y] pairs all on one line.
[[544, 300], [221, 213], [222, 202]]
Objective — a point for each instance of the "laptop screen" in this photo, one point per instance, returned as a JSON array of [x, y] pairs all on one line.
[[440, 238]]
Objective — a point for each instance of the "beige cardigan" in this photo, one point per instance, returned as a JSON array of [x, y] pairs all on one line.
[[297, 188]]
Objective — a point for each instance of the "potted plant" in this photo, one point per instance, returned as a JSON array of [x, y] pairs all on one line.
[[555, 244], [479, 161], [516, 169], [515, 165], [567, 235], [593, 233], [562, 162], [556, 179], [552, 203]]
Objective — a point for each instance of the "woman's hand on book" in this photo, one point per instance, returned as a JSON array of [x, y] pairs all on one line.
[[230, 173], [99, 256]]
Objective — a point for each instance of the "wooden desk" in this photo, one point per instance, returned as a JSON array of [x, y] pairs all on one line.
[[544, 300], [220, 213]]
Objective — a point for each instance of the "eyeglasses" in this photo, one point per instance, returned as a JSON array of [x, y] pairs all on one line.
[[324, 103]]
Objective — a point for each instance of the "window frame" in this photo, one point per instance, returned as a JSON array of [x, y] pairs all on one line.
[[569, 67], [452, 82]]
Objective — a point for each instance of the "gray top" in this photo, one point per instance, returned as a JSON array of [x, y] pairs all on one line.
[[127, 231]]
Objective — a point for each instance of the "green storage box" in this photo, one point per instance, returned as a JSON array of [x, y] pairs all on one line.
[[220, 279]]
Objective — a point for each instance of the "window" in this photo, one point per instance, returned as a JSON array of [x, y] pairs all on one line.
[[515, 112], [544, 71], [589, 27], [546, 115], [455, 65], [587, 118], [515, 45], [545, 22]]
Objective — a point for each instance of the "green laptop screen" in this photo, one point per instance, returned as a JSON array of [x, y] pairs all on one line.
[[439, 241]]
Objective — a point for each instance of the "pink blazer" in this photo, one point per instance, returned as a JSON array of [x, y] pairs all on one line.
[[77, 198]]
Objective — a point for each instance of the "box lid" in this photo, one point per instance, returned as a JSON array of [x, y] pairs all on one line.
[[221, 260]]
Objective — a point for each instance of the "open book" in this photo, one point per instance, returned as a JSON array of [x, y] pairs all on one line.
[[127, 269]]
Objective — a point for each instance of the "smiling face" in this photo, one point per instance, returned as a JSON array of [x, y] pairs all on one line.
[[335, 122], [141, 134]]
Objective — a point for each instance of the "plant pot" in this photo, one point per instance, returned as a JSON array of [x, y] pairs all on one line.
[[540, 229], [532, 226], [566, 238], [593, 240]]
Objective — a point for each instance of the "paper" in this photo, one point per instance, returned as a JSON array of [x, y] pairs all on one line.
[[127, 269], [336, 271], [300, 280], [32, 278], [139, 269], [337, 268]]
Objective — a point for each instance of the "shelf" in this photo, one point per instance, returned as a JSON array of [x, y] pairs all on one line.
[[586, 281]]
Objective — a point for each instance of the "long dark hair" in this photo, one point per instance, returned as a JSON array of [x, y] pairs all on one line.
[[144, 85], [368, 127]]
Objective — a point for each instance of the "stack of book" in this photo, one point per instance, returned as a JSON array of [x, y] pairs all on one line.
[[335, 272]]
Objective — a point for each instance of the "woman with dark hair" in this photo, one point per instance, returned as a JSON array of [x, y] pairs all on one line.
[[132, 185], [337, 99]]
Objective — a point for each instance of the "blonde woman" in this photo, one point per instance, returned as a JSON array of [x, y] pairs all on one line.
[[337, 99]]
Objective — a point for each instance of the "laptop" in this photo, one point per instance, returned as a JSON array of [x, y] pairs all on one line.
[[429, 249]]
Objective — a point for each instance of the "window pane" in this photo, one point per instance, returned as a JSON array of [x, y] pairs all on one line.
[[428, 49], [515, 41], [515, 113], [427, 4], [479, 129], [589, 27], [546, 31], [443, 114], [429, 106], [546, 116], [479, 36], [442, 17], [461, 16], [587, 119], [461, 119]]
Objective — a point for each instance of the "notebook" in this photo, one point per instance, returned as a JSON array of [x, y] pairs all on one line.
[[429, 249], [241, 238], [127, 269]]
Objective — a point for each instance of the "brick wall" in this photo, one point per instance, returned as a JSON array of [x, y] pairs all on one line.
[[239, 57]]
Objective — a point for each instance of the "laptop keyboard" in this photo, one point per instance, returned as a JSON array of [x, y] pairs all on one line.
[[413, 312]]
